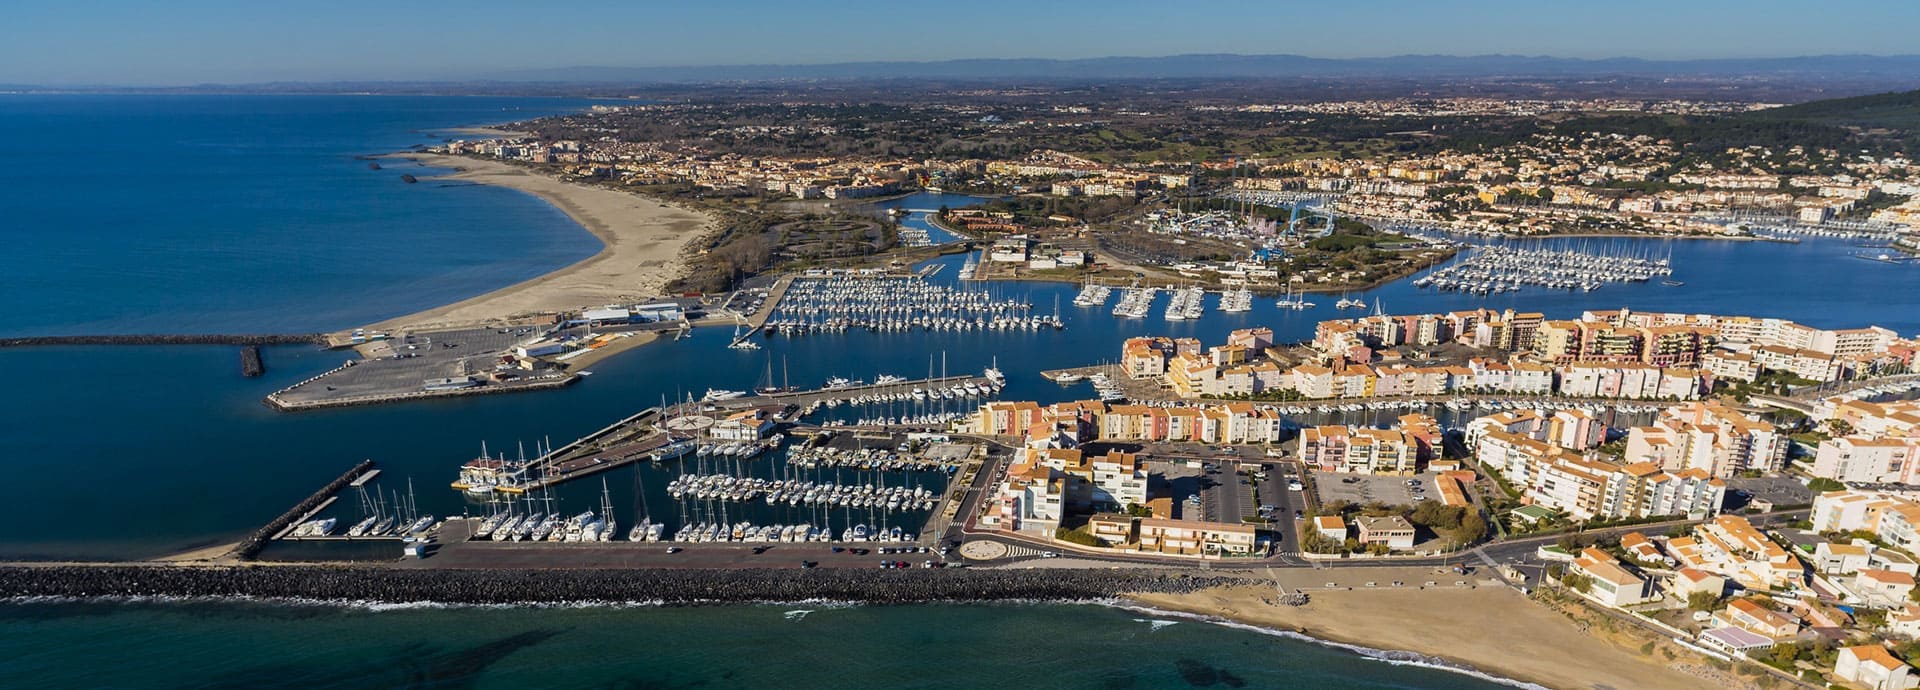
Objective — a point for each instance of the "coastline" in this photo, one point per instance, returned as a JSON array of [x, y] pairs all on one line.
[[641, 244], [1489, 632]]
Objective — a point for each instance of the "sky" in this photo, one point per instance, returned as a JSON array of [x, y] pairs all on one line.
[[150, 42]]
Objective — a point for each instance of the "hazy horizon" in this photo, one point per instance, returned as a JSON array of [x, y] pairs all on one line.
[[125, 43]]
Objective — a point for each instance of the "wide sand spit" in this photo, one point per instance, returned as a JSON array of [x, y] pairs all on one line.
[[642, 240]]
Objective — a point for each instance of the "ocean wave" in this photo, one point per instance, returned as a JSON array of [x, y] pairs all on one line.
[[1396, 657], [1154, 624]]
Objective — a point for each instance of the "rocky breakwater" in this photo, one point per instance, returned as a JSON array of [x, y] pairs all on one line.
[[535, 586], [250, 363], [160, 339]]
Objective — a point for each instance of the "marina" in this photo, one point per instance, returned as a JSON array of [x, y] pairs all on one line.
[[883, 303], [1494, 269], [1135, 302], [1188, 303], [1236, 301], [828, 488], [1093, 295]]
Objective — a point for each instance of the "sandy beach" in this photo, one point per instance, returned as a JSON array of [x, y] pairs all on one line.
[[642, 241], [1492, 629]]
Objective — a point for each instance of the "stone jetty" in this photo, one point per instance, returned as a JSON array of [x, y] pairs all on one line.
[[534, 586], [175, 339], [250, 363], [250, 546]]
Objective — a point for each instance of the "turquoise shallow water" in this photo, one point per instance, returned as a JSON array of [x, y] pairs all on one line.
[[252, 645]]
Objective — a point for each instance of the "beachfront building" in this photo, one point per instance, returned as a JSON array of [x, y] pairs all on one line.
[[1175, 537], [1730, 546], [1392, 530], [1030, 499], [1871, 666], [1046, 484], [1751, 616], [1734, 642], [1611, 583]]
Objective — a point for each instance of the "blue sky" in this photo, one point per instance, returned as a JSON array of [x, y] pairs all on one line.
[[195, 41]]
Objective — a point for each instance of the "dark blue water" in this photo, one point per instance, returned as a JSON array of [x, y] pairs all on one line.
[[184, 214], [250, 645]]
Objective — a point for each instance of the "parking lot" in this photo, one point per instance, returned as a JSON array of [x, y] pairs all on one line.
[[1366, 488], [746, 301], [1782, 491], [403, 365]]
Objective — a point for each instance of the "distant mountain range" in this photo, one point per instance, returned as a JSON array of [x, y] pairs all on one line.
[[1898, 67]]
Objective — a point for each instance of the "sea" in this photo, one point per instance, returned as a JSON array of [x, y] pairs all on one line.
[[259, 214]]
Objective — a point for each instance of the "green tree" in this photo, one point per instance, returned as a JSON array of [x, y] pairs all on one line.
[[1702, 601], [1577, 582]]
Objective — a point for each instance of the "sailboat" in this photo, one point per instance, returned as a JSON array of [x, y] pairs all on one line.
[[769, 388], [644, 528], [740, 343], [604, 530], [1290, 301]]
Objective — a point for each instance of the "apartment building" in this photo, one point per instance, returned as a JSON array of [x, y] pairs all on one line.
[[1359, 450], [1708, 436]]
